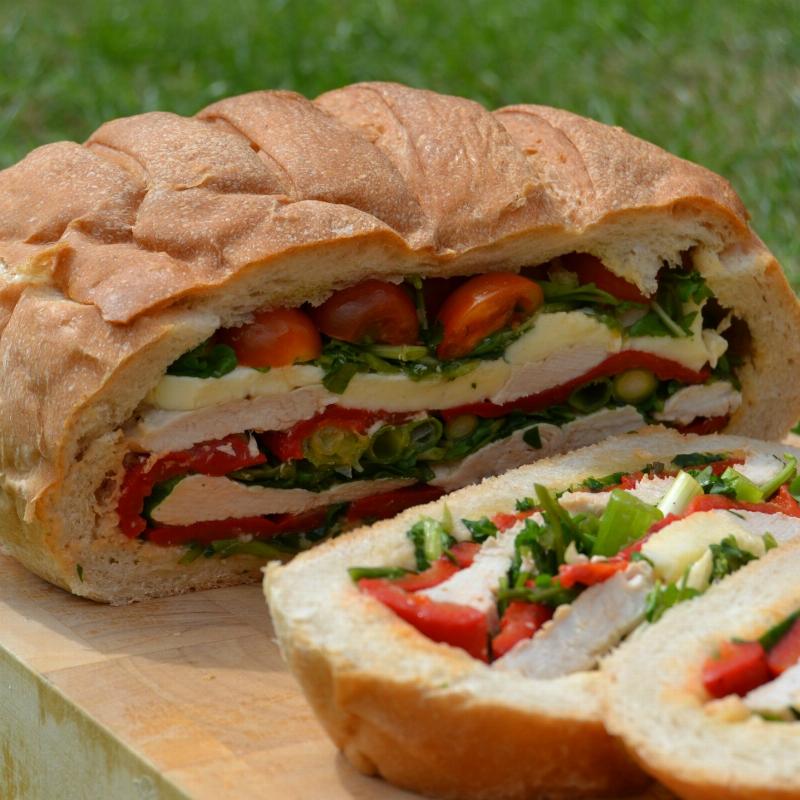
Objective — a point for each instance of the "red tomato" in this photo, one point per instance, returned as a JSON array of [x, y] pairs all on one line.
[[217, 457], [589, 573], [260, 527], [464, 553], [274, 339], [591, 269], [450, 623], [740, 668], [441, 569], [372, 311], [786, 653], [663, 368], [483, 305], [519, 622], [503, 520], [388, 504]]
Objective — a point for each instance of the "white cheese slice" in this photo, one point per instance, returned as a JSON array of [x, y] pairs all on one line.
[[200, 498], [677, 547], [182, 393], [375, 392], [692, 351]]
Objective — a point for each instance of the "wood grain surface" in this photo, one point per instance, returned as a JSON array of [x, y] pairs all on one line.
[[185, 697]]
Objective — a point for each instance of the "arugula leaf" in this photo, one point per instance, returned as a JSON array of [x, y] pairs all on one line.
[[525, 504], [569, 293], [480, 529], [207, 360], [159, 493], [662, 597], [727, 558], [494, 345], [684, 460], [666, 316], [599, 484]]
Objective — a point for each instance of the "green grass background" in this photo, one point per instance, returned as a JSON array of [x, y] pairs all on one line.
[[716, 82]]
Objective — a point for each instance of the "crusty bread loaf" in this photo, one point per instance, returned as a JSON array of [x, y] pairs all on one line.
[[118, 255], [427, 716], [657, 704]]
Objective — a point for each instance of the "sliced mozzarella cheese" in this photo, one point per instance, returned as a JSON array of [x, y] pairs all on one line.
[[777, 698], [180, 393], [693, 351], [375, 392], [716, 399], [200, 498], [675, 548]]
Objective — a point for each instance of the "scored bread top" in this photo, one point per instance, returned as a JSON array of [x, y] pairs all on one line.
[[118, 255]]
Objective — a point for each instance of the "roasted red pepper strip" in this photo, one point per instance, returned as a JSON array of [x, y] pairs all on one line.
[[441, 569], [786, 653], [663, 368], [740, 668], [450, 623], [217, 457], [504, 521], [388, 504], [589, 573], [519, 622], [464, 553], [704, 425]]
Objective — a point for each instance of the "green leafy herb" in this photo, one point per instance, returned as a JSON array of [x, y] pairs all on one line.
[[494, 345], [553, 595], [525, 504], [532, 438], [777, 632], [662, 597], [599, 484], [161, 491], [728, 557], [357, 573], [430, 541], [684, 460], [207, 360], [79, 571], [481, 529], [566, 293]]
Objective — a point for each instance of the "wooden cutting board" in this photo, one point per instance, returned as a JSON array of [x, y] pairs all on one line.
[[185, 697]]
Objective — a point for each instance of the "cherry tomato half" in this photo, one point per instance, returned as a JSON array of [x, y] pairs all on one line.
[[591, 269], [483, 305], [374, 312], [274, 339]]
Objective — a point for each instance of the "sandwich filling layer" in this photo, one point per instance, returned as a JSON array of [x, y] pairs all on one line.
[[304, 422], [550, 587]]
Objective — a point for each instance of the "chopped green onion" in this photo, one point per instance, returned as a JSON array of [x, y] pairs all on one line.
[[680, 494], [400, 352], [786, 474], [461, 426], [388, 444], [626, 519], [357, 573], [744, 489], [424, 433], [552, 512], [330, 444], [591, 396], [430, 540], [634, 386]]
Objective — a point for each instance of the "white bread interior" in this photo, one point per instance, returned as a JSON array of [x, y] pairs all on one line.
[[416, 712], [656, 700], [132, 248]]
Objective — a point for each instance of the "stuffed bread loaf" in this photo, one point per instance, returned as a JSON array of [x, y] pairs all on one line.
[[183, 395], [709, 701], [469, 631]]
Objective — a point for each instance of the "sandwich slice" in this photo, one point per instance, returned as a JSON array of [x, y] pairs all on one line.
[[226, 338], [471, 630], [709, 701]]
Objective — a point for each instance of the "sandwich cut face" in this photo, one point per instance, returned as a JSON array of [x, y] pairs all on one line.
[[303, 422], [512, 595], [226, 337]]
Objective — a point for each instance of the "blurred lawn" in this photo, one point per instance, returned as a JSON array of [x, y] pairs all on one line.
[[717, 82]]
